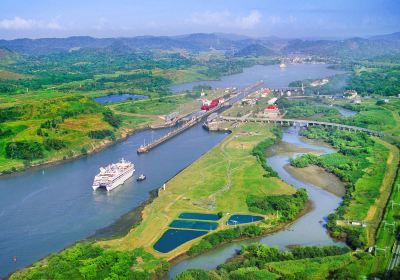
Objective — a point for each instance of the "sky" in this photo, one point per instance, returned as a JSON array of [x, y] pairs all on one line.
[[256, 18]]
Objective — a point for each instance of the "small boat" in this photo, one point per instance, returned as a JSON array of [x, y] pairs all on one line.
[[141, 177]]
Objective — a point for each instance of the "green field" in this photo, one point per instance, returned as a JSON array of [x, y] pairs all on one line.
[[220, 181]]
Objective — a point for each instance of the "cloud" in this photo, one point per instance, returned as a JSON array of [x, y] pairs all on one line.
[[250, 21], [226, 19], [18, 23], [278, 20]]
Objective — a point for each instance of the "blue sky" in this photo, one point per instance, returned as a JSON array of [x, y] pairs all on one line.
[[124, 18]]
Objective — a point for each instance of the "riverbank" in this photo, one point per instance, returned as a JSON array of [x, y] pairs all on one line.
[[95, 148], [312, 175]]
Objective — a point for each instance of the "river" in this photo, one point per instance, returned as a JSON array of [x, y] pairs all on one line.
[[43, 210], [308, 230]]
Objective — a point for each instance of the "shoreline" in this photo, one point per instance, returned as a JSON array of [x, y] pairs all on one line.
[[101, 147]]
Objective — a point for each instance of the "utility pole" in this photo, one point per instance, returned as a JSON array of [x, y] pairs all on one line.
[[394, 203], [393, 225], [376, 248]]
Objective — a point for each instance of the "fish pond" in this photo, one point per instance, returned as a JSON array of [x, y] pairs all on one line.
[[200, 225], [243, 219], [173, 238], [199, 216]]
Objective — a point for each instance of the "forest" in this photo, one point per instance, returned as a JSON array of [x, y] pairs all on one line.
[[88, 261]]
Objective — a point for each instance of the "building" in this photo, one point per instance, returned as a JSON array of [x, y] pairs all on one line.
[[319, 82], [265, 92], [272, 101], [271, 112], [350, 94]]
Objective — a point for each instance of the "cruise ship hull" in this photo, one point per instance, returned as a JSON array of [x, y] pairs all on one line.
[[119, 181]]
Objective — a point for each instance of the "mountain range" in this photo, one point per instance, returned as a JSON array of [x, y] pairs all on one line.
[[238, 44]]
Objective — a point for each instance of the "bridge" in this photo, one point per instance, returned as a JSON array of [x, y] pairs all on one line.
[[296, 122]]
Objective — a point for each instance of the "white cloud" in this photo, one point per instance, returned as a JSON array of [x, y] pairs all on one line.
[[278, 20], [250, 21], [18, 23], [227, 19]]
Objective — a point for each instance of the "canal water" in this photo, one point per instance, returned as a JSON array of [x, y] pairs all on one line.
[[45, 209], [272, 75]]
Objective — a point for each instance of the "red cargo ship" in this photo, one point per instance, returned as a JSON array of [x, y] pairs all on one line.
[[209, 105]]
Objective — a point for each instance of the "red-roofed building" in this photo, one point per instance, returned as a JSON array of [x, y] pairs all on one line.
[[265, 92], [271, 112]]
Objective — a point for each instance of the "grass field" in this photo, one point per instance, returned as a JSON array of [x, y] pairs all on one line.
[[385, 235], [373, 189], [218, 181]]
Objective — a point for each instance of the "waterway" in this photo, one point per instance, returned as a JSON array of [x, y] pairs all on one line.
[[46, 209], [272, 75]]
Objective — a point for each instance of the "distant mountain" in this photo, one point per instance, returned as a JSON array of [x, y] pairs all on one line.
[[352, 47], [387, 37], [7, 56], [238, 44], [255, 50]]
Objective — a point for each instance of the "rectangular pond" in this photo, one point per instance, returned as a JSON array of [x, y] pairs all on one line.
[[199, 216], [173, 238], [200, 225], [243, 219]]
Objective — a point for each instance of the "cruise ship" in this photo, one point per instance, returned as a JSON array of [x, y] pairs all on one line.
[[113, 175]]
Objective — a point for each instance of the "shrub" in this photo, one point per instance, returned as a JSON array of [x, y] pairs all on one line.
[[101, 134], [112, 119], [54, 144], [287, 205], [259, 152], [27, 150]]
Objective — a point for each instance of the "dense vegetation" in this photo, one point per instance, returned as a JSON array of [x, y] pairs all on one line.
[[88, 261], [304, 109], [383, 81], [259, 151], [27, 150], [357, 154], [57, 127], [258, 261], [286, 206], [369, 115], [101, 134]]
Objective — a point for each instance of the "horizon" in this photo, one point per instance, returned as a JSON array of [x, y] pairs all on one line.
[[287, 19], [209, 33]]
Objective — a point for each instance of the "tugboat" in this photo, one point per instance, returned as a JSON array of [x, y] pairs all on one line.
[[142, 177]]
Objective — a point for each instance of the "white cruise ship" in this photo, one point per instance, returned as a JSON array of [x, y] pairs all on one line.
[[113, 175]]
